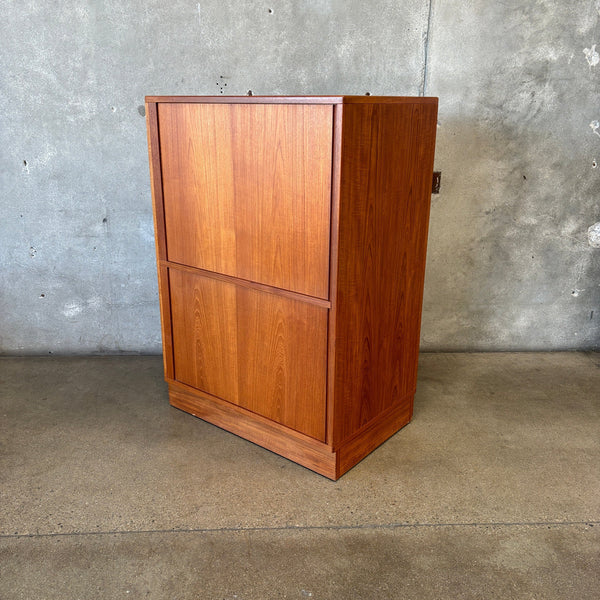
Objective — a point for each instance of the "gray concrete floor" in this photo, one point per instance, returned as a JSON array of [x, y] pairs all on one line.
[[493, 491]]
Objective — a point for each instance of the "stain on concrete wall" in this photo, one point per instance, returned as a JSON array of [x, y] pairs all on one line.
[[509, 236], [591, 55], [594, 235]]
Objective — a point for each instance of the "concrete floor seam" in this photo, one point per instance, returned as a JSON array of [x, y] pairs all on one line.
[[305, 528], [492, 492]]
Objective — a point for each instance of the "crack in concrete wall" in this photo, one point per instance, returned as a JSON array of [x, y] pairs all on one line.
[[423, 88]]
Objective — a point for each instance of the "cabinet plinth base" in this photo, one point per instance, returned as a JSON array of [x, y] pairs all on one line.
[[306, 451]]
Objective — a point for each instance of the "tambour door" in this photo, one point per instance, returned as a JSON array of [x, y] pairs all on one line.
[[246, 190], [264, 352]]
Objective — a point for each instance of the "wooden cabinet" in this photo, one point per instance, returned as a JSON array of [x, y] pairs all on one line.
[[291, 236]]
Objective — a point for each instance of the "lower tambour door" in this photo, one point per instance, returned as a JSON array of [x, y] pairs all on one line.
[[262, 351]]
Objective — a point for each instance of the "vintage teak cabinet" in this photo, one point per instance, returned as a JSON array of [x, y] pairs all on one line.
[[291, 236]]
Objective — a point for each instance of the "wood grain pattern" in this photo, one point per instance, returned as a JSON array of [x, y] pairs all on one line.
[[246, 191], [204, 317], [259, 430], [253, 285], [291, 240], [282, 354], [159, 229], [263, 352], [338, 120], [387, 160], [288, 443], [377, 431]]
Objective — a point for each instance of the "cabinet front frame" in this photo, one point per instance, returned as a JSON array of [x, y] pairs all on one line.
[[164, 265]]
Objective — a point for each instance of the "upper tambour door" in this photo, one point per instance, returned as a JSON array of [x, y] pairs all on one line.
[[246, 190]]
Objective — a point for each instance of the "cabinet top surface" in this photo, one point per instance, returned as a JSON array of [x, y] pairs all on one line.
[[295, 99]]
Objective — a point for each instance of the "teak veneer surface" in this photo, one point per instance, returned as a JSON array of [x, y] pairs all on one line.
[[246, 191], [291, 237], [260, 351], [384, 216]]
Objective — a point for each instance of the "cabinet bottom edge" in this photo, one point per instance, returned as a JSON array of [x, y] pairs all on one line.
[[308, 452]]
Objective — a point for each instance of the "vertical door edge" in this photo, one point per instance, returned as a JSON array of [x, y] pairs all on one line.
[[338, 109]]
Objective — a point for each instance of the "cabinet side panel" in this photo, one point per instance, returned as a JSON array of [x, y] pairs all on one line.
[[387, 163]]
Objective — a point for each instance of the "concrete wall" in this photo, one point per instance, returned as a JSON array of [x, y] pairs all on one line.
[[510, 264]]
